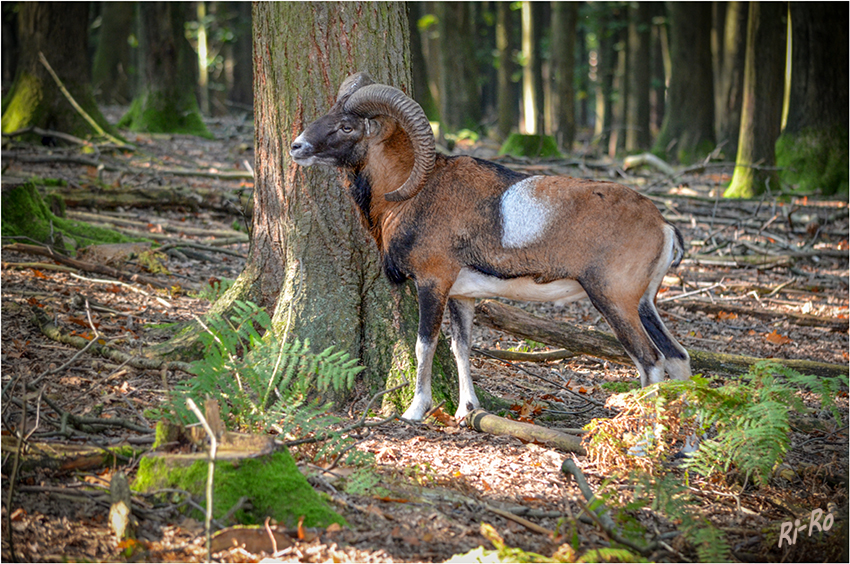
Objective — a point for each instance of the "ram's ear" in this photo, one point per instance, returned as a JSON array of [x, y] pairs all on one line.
[[373, 128]]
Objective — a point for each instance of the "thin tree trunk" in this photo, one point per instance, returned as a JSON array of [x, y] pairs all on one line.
[[564, 19], [165, 101], [638, 136], [506, 100], [761, 114], [606, 66], [532, 92], [730, 59], [111, 78], [688, 129], [421, 91], [460, 105]]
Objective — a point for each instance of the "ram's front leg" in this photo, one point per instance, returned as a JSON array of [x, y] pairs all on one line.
[[432, 303], [461, 311]]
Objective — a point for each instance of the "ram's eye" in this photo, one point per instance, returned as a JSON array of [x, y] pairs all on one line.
[[347, 129]]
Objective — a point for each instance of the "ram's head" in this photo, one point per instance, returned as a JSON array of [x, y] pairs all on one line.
[[344, 136]]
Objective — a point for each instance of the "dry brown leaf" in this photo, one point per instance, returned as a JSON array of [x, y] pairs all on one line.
[[777, 339], [722, 315]]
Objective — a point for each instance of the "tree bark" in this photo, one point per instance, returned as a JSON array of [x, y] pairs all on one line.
[[638, 136], [165, 101], [730, 51], [761, 112], [603, 345], [812, 152], [111, 69], [311, 260], [564, 19], [688, 129], [59, 31], [606, 67]]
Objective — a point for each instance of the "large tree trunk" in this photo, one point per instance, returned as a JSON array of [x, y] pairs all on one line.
[[688, 129], [311, 260], [165, 100], [813, 151], [761, 114], [59, 31], [506, 95], [111, 67], [460, 105], [564, 19], [730, 50], [638, 136]]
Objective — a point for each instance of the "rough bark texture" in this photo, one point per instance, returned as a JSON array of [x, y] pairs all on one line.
[[730, 50], [111, 72], [165, 100], [761, 113], [688, 129], [564, 18], [813, 150], [638, 136], [59, 30], [460, 105], [311, 259]]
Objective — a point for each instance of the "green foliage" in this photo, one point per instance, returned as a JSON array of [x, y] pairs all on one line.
[[620, 387], [262, 382], [751, 418], [215, 289], [671, 498]]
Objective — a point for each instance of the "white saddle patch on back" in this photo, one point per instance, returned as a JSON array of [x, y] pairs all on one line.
[[472, 284], [524, 216]]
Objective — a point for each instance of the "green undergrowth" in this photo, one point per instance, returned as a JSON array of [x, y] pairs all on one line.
[[536, 146], [273, 483], [25, 214], [744, 428]]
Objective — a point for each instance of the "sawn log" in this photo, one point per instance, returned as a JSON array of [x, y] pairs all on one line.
[[484, 422]]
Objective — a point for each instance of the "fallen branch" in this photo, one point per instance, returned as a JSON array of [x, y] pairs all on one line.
[[605, 346], [795, 318], [650, 160], [601, 516], [484, 422], [86, 266], [517, 356], [50, 330]]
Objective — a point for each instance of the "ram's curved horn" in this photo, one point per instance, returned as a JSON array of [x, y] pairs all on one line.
[[351, 84], [379, 99]]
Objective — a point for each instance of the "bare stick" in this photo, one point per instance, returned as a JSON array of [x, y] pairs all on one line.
[[210, 473], [74, 103]]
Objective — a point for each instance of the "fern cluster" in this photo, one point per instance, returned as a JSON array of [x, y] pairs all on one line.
[[262, 383]]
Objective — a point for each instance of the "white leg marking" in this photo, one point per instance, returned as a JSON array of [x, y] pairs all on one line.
[[524, 216], [462, 312], [422, 394]]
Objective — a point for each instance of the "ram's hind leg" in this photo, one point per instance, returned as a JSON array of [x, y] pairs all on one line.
[[623, 317], [461, 311], [677, 362]]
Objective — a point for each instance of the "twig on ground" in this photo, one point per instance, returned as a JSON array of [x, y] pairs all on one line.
[[517, 356], [210, 473]]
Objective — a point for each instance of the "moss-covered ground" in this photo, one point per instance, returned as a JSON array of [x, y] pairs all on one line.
[[26, 214], [273, 483], [158, 113]]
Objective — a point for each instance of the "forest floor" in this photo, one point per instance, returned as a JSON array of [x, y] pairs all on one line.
[[766, 279]]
